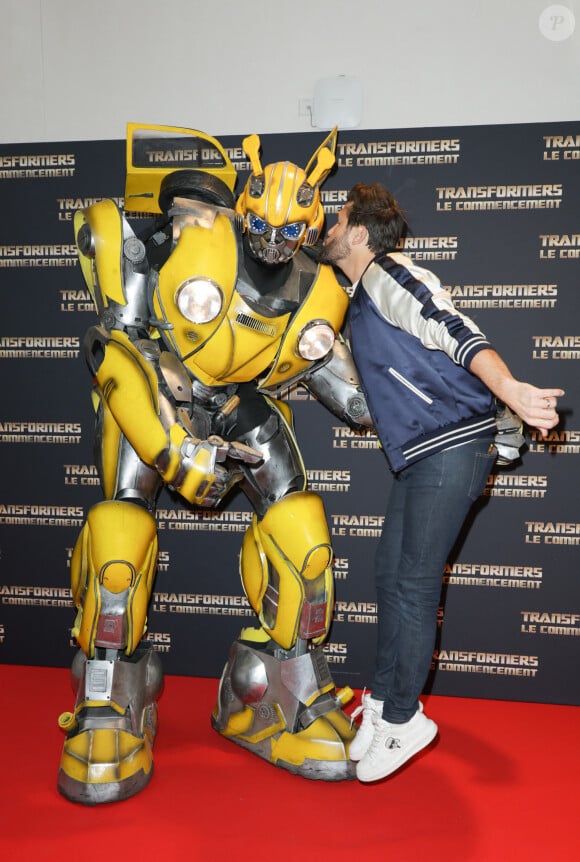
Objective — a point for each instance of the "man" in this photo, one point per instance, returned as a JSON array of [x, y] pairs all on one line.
[[430, 377]]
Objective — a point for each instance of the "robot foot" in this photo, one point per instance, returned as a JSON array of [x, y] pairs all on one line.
[[286, 711], [107, 754]]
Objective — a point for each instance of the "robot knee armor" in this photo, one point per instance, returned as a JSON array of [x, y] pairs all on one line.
[[112, 571], [286, 572]]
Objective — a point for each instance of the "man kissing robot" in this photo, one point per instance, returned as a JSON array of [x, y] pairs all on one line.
[[202, 319]]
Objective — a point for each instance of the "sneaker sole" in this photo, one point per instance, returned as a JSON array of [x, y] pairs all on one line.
[[396, 763], [356, 757]]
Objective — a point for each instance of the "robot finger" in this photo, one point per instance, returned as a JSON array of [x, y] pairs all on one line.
[[236, 451]]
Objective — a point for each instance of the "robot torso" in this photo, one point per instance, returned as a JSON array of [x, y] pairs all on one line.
[[229, 321]]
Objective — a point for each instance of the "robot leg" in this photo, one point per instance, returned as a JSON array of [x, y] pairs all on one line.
[[107, 753], [276, 696]]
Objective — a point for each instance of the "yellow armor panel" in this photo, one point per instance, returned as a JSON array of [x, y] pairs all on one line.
[[320, 741], [129, 393], [293, 539], [111, 440], [106, 757], [285, 411], [210, 253], [279, 205], [239, 343], [103, 273], [129, 388], [245, 344], [326, 301], [116, 552], [153, 152]]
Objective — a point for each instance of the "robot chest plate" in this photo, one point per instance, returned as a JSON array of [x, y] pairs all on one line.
[[236, 344], [240, 348], [239, 343]]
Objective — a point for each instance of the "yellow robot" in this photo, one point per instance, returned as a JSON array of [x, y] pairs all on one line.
[[201, 320]]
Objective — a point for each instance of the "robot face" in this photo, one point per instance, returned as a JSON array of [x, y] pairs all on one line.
[[279, 206], [280, 203], [271, 244]]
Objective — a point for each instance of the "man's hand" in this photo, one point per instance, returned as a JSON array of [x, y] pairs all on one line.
[[537, 407]]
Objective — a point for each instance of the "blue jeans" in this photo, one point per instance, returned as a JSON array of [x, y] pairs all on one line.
[[427, 507]]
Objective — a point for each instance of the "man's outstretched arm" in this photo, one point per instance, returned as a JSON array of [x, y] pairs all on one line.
[[537, 407]]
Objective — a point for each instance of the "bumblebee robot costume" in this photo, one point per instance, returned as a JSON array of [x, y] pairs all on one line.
[[200, 322]]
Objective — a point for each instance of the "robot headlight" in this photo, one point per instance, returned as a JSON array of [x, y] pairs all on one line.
[[316, 340], [199, 299], [259, 227]]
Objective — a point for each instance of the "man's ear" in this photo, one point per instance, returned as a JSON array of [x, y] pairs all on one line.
[[360, 235]]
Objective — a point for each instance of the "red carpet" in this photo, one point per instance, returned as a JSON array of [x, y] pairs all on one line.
[[501, 783]]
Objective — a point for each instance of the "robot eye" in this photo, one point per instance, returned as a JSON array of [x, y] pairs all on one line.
[[293, 231], [256, 224]]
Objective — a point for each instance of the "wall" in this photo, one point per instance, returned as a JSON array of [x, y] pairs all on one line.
[[79, 69]]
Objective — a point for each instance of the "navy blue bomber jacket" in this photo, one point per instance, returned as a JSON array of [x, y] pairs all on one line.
[[413, 349]]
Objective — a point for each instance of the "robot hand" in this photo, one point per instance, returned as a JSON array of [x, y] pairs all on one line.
[[203, 477], [509, 438]]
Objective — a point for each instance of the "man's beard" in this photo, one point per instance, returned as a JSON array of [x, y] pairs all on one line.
[[334, 251]]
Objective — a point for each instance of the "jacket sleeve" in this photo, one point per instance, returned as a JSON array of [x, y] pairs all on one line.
[[413, 299]]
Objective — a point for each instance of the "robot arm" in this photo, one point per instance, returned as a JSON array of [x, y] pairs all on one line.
[[337, 386], [128, 384], [114, 267]]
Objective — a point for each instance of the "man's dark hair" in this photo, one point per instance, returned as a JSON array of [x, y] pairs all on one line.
[[375, 207]]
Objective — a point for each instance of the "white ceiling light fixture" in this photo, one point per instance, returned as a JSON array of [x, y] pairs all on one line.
[[337, 102]]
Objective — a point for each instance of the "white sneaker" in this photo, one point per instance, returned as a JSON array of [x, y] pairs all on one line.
[[393, 745], [371, 710]]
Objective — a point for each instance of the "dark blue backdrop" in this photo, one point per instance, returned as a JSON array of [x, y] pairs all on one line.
[[494, 212]]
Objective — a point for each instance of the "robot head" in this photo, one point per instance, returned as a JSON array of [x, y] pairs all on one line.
[[280, 203]]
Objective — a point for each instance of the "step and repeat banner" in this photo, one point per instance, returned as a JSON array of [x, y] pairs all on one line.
[[494, 212]]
